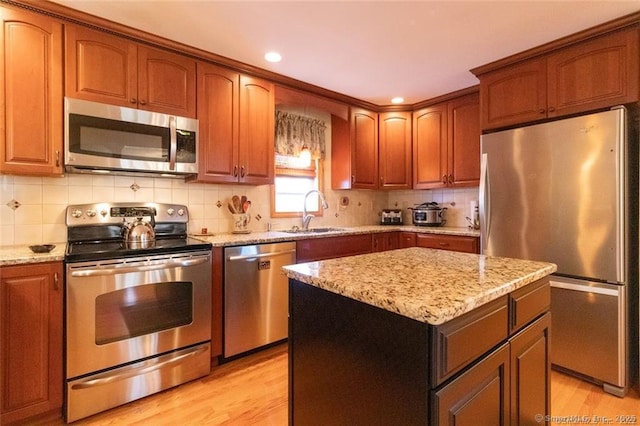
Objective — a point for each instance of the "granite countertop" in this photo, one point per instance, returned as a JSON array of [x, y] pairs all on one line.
[[229, 239], [21, 254], [431, 286]]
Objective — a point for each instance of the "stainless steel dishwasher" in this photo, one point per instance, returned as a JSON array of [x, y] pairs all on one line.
[[256, 295]]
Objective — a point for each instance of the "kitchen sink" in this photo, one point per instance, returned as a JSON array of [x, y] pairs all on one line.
[[311, 230]]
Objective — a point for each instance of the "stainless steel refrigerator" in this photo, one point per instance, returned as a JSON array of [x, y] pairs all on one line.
[[566, 192]]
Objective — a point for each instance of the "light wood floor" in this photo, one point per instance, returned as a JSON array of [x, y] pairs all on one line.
[[253, 391]]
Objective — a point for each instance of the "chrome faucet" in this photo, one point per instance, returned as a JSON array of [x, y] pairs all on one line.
[[306, 217]]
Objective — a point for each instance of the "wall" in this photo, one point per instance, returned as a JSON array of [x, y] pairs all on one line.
[[40, 217]]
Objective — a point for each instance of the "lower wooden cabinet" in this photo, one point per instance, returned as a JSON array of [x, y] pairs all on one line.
[[31, 300], [449, 242], [330, 247], [386, 241], [407, 239], [510, 386], [480, 396]]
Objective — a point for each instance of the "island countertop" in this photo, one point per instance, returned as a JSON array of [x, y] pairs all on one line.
[[428, 285]]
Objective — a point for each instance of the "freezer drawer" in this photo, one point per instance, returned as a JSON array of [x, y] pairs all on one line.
[[589, 334], [256, 296]]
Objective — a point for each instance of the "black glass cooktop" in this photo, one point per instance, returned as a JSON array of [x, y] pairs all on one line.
[[114, 249]]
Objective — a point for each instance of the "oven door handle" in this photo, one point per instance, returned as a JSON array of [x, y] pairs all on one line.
[[141, 368], [114, 270]]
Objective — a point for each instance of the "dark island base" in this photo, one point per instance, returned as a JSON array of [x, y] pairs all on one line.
[[354, 364]]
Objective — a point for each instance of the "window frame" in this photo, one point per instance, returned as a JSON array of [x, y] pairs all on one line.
[[309, 172]]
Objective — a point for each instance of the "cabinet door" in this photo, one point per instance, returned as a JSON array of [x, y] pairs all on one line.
[[218, 112], [30, 340], [530, 372], [31, 94], [407, 239], [257, 131], [513, 95], [100, 67], [364, 149], [480, 396], [166, 82], [464, 141], [386, 241], [430, 147], [595, 74], [394, 146]]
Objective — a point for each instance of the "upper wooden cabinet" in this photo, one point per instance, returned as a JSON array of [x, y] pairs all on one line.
[[394, 150], [446, 144], [30, 341], [371, 151], [31, 90], [104, 68], [354, 150], [589, 75], [236, 118]]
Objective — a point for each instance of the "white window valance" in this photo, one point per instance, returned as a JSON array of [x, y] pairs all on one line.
[[295, 131]]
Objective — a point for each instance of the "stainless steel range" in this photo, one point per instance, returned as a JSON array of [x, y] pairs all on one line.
[[138, 314]]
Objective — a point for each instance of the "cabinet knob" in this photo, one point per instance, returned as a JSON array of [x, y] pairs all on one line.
[[541, 111], [133, 100], [143, 102], [551, 109]]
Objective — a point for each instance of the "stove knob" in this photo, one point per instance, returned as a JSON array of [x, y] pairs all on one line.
[[103, 213], [170, 211], [180, 212], [91, 213], [76, 213]]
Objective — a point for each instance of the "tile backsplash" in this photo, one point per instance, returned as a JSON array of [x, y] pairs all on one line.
[[32, 209]]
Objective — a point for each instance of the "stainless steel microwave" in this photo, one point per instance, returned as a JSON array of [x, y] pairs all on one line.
[[107, 138]]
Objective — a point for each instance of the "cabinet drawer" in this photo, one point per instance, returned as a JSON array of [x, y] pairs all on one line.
[[528, 302], [460, 341], [448, 242]]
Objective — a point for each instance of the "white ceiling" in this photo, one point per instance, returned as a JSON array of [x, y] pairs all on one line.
[[370, 50]]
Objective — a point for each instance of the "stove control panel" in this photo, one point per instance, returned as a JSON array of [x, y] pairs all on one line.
[[115, 213]]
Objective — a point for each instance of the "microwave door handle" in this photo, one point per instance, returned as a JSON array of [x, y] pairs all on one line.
[[173, 148]]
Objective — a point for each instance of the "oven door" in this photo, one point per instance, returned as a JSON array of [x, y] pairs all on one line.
[[124, 310]]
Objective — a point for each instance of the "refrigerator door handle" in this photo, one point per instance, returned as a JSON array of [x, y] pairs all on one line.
[[484, 202], [585, 288]]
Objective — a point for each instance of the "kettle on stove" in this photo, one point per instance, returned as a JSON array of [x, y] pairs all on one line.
[[140, 233]]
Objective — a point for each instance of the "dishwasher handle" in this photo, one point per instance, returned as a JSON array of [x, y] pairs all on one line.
[[260, 255]]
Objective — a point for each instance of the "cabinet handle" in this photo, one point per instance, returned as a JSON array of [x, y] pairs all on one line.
[[353, 178], [56, 287], [381, 181], [57, 158], [551, 109], [444, 178], [450, 178], [133, 100], [143, 102], [235, 171], [242, 171], [443, 244], [541, 110]]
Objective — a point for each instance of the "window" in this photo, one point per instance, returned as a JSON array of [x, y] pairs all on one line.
[[292, 182], [298, 137]]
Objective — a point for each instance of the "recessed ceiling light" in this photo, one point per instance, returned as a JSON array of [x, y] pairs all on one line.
[[273, 56], [397, 100]]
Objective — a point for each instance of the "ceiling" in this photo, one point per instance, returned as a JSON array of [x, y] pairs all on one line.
[[369, 50]]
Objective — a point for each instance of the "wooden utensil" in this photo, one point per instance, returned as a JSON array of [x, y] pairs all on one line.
[[243, 200], [231, 209], [245, 206], [236, 204]]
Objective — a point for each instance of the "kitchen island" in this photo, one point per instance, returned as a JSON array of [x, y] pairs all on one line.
[[419, 336]]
